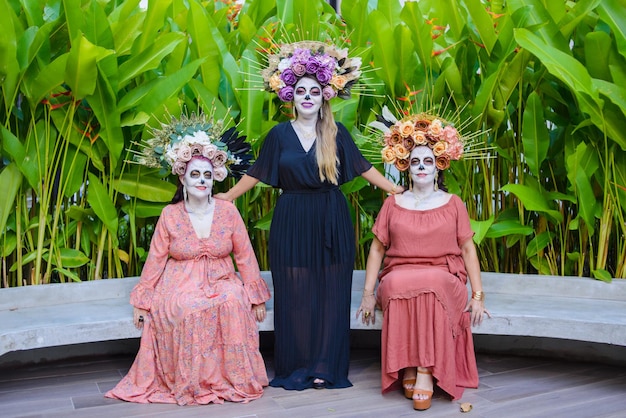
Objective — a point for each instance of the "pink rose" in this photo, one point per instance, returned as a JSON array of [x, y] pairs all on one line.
[[219, 159], [450, 134], [220, 173], [328, 92], [184, 153], [179, 168]]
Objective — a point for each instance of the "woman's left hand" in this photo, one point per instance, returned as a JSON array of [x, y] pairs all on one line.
[[259, 312], [477, 311]]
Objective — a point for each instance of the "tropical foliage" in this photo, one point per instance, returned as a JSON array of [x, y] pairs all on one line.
[[82, 81]]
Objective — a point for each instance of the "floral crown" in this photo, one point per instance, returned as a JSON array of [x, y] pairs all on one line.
[[198, 135], [400, 137], [329, 65]]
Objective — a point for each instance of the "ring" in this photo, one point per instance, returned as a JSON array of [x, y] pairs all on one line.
[[140, 318], [367, 314]]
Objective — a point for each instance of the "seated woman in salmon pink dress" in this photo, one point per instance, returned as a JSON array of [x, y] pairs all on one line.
[[200, 340], [424, 241]]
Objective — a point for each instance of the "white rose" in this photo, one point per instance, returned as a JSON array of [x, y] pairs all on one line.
[[284, 64], [201, 137]]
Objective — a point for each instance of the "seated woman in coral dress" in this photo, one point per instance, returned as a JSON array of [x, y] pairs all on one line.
[[200, 341], [424, 237]]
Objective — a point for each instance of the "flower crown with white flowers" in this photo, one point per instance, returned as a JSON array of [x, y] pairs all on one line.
[[330, 66], [198, 135]]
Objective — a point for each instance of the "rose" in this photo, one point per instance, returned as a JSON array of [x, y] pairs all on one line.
[[324, 75], [450, 134], [298, 69], [328, 93], [171, 155], [406, 128], [179, 168], [220, 173], [196, 149], [338, 81], [184, 153], [442, 162], [275, 82], [420, 138], [401, 152], [284, 64], [388, 154], [395, 138], [422, 124], [209, 151], [440, 148], [219, 159], [435, 128], [286, 94], [289, 77], [387, 138], [402, 164], [409, 143], [312, 65]]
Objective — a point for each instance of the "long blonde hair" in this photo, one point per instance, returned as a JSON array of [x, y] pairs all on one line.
[[326, 144]]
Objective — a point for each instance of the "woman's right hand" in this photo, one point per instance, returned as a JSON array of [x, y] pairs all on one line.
[[139, 317], [367, 309], [222, 196]]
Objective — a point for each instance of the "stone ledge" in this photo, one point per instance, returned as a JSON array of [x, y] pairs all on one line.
[[568, 308]]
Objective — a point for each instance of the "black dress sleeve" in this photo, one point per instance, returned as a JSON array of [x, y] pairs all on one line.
[[351, 162], [265, 168]]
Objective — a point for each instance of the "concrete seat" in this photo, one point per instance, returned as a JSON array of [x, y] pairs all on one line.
[[570, 308]]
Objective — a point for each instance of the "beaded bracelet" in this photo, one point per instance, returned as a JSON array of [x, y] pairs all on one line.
[[368, 294]]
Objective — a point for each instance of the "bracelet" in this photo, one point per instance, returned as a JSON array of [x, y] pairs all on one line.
[[479, 295], [368, 294]]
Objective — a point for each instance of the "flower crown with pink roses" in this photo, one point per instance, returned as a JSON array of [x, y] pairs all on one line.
[[400, 137], [330, 66], [198, 135]]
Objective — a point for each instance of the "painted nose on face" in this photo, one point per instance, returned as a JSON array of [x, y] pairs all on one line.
[[201, 181], [421, 167], [307, 97]]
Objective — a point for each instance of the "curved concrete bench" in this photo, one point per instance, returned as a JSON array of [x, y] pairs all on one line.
[[570, 308]]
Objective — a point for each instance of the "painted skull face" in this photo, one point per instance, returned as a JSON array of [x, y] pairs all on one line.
[[308, 96], [198, 179], [422, 166]]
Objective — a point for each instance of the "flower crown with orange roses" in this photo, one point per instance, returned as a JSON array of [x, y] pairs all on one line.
[[173, 145], [329, 65], [400, 137]]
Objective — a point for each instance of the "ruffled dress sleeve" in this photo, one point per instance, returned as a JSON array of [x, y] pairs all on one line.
[[352, 162], [463, 227], [141, 295], [265, 167], [381, 225], [247, 264]]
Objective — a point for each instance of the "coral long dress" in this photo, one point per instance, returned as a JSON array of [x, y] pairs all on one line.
[[423, 293], [311, 250], [200, 339]]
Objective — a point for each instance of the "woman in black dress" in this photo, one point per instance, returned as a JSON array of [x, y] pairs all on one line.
[[311, 245]]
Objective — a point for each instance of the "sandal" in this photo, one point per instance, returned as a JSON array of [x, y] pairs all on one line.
[[422, 404], [408, 384]]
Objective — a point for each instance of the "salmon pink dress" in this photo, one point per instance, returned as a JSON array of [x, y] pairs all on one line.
[[423, 293], [200, 339]]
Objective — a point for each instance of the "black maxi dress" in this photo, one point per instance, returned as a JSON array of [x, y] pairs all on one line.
[[311, 251]]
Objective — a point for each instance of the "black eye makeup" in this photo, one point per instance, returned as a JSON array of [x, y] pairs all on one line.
[[194, 174], [315, 91], [427, 161]]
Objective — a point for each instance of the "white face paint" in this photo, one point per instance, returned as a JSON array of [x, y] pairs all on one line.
[[422, 166], [308, 96], [198, 179]]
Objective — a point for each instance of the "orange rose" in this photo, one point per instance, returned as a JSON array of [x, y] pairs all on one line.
[[387, 139], [409, 143], [395, 138], [440, 148], [406, 129], [442, 162], [435, 128], [401, 152], [389, 156], [420, 138], [338, 81], [275, 82], [422, 124], [402, 165]]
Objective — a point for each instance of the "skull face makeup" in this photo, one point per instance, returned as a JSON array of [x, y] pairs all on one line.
[[308, 96], [422, 166], [198, 179]]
